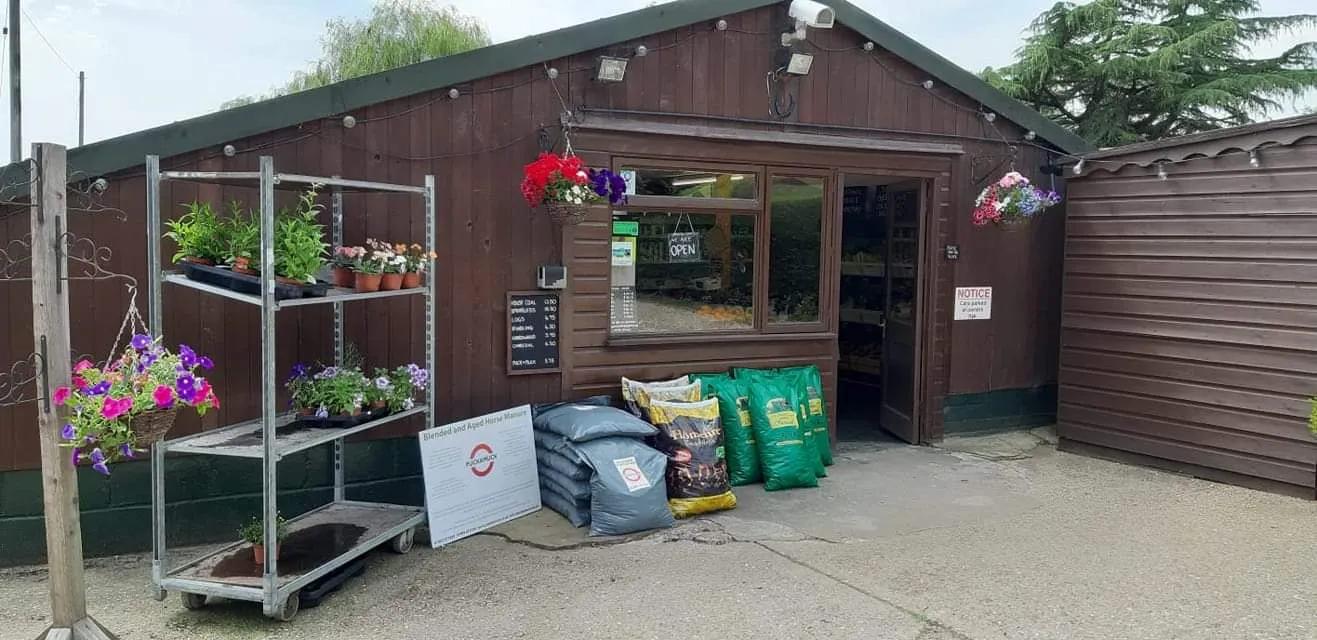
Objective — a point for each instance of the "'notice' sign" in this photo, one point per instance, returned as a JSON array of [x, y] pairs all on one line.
[[973, 303]]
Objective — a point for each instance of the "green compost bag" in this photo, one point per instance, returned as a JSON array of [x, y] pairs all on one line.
[[738, 430], [799, 397], [785, 461], [816, 408]]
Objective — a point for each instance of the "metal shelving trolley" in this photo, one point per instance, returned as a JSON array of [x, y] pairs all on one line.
[[261, 439]]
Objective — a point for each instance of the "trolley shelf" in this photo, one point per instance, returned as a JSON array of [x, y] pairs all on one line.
[[243, 440], [318, 542], [335, 294]]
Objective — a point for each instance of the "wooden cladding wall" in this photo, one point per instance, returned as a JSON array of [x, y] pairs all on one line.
[[1188, 331], [489, 243]]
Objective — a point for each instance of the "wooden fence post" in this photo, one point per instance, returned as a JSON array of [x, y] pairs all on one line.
[[50, 334]]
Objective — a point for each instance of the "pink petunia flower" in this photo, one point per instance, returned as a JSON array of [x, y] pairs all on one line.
[[164, 396], [61, 396], [112, 409], [82, 365]]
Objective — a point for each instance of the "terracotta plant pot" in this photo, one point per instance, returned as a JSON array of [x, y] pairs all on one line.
[[411, 279], [289, 281], [378, 404], [344, 277], [367, 282], [306, 412], [258, 554], [391, 282], [206, 261], [244, 265]]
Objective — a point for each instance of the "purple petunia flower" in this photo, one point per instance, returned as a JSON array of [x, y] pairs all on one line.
[[382, 383], [328, 373], [206, 363], [68, 433], [126, 451], [101, 468], [76, 457], [186, 356], [89, 440], [141, 342], [322, 412], [99, 389]]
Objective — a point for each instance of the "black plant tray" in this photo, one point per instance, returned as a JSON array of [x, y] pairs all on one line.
[[339, 422], [243, 283]]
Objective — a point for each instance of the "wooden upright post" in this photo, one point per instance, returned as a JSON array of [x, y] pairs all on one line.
[[50, 334]]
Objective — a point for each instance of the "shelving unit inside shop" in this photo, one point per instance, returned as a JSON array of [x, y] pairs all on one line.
[[325, 538]]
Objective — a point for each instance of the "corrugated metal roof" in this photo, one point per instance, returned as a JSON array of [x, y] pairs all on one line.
[[1208, 144]]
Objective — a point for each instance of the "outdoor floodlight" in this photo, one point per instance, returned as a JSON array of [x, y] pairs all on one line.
[[611, 69], [800, 64]]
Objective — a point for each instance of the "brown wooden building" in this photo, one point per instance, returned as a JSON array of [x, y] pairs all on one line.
[[833, 210], [1188, 338]]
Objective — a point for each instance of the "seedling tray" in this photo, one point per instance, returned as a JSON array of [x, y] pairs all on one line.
[[243, 283], [339, 422]]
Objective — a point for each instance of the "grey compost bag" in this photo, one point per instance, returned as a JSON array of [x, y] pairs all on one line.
[[557, 444], [562, 464], [627, 491], [580, 422], [576, 489], [576, 512]]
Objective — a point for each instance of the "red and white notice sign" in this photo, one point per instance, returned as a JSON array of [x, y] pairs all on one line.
[[973, 303]]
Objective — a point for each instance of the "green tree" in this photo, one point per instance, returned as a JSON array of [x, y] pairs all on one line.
[[1122, 71], [397, 33]]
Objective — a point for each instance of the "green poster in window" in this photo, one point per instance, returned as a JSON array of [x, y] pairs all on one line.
[[626, 228]]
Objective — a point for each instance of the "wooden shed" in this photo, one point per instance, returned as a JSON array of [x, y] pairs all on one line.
[[1189, 337], [833, 210]]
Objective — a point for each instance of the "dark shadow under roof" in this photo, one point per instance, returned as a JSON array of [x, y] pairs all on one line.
[[181, 137]]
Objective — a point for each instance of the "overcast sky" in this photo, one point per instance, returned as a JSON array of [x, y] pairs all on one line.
[[150, 62]]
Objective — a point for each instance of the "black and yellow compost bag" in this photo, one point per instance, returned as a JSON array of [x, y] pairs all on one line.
[[815, 414], [738, 429], [785, 461], [645, 396], [691, 436], [631, 390]]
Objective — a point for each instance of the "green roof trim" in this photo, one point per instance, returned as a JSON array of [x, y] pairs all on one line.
[[114, 154]]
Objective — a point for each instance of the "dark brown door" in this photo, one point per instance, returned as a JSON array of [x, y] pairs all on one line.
[[900, 337]]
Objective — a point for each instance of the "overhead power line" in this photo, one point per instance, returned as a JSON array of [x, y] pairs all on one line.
[[48, 44]]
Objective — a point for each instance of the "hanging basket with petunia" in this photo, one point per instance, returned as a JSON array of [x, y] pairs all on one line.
[[120, 410], [1011, 202], [564, 187]]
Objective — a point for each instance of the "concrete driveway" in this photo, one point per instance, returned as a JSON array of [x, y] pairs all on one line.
[[995, 537]]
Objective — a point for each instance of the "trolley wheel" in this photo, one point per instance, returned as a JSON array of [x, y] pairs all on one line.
[[159, 594], [402, 543], [289, 609], [192, 601]]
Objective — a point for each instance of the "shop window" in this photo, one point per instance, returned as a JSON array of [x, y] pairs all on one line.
[[691, 183], [680, 273], [796, 206]]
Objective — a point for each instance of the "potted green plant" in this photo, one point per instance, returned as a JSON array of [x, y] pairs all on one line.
[[253, 533], [331, 392], [405, 381], [242, 233], [368, 272], [299, 241], [418, 259], [344, 263], [392, 264], [199, 235]]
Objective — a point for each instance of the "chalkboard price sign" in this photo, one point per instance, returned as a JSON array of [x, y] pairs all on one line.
[[533, 333]]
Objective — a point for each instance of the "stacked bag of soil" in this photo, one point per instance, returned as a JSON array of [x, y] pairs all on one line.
[[775, 424], [690, 434], [595, 468]]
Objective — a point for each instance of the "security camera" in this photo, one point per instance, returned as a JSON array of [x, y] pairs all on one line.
[[813, 14]]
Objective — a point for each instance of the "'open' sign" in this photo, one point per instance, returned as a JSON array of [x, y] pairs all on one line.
[[684, 247]]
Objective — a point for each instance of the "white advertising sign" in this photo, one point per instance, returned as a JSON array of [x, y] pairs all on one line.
[[479, 473], [973, 303]]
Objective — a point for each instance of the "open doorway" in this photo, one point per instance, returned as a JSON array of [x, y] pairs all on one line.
[[878, 345]]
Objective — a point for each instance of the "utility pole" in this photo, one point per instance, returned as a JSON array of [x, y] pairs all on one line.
[[82, 106], [15, 87]]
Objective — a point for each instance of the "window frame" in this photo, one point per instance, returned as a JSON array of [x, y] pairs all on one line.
[[677, 203], [761, 210], [825, 245]]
